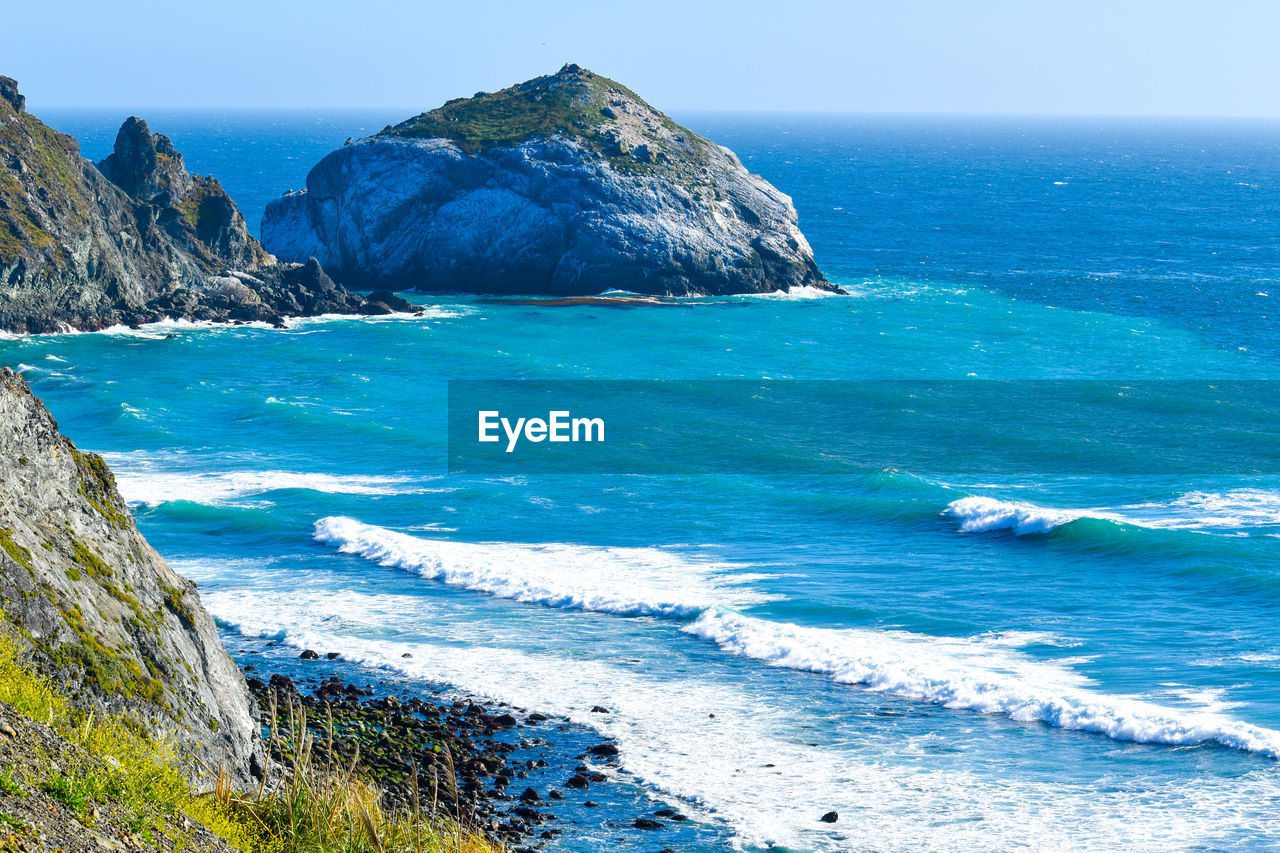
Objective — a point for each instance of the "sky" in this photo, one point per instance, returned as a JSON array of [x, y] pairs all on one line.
[[1121, 57]]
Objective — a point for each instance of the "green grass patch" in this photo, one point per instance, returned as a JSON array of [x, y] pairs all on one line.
[[316, 810], [21, 555], [77, 792], [9, 786], [566, 104]]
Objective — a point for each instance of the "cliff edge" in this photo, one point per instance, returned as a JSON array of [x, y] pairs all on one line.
[[99, 609]]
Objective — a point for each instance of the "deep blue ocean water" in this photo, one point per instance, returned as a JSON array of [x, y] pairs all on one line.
[[1052, 659]]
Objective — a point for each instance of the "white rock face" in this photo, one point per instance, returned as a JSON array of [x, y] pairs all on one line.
[[100, 610], [622, 198]]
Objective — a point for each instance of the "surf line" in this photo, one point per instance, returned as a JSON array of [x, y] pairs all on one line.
[[558, 426]]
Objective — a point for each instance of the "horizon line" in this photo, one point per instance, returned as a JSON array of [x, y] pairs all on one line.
[[412, 111]]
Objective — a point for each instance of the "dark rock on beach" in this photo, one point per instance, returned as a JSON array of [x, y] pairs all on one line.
[[442, 753], [386, 302], [568, 184], [133, 239]]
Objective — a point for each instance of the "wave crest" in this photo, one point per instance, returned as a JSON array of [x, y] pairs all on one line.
[[148, 487], [621, 581], [981, 515], [984, 674]]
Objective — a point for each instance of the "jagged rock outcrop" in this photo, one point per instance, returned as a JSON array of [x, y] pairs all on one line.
[[101, 612], [131, 240], [568, 184]]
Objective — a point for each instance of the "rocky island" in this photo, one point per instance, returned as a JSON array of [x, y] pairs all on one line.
[[133, 239], [568, 184]]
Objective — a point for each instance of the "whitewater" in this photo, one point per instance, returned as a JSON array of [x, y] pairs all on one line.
[[984, 674]]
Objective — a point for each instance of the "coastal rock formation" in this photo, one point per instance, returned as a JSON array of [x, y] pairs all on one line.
[[100, 611], [131, 240], [568, 184]]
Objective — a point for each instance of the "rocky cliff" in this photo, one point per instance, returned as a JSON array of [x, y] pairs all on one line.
[[567, 184], [99, 609], [131, 240]]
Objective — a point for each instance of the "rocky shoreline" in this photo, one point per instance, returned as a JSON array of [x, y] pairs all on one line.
[[491, 766], [98, 612]]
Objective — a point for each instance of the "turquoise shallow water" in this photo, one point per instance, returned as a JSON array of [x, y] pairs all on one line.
[[1055, 658]]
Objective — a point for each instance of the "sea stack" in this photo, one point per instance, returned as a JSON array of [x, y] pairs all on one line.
[[568, 184], [134, 239]]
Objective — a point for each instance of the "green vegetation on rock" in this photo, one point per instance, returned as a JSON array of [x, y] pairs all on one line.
[[111, 764], [175, 600], [98, 485], [574, 102], [91, 562], [14, 550]]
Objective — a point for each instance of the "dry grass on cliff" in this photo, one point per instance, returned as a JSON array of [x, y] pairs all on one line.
[[315, 808], [312, 809]]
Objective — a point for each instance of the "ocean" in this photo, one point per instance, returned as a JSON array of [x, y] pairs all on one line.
[[1051, 655]]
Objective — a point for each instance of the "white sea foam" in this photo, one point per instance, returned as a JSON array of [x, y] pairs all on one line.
[[988, 674], [167, 327], [161, 329], [1232, 509], [623, 581], [423, 312], [752, 765], [152, 486], [980, 515], [795, 293], [975, 674]]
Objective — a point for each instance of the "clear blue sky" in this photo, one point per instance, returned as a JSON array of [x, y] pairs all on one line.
[[981, 56]]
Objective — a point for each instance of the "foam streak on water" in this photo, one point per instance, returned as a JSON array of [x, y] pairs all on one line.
[[158, 487], [623, 581], [975, 674]]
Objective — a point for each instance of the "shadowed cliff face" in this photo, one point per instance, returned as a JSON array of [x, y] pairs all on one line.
[[194, 211], [568, 184], [133, 240], [102, 613]]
